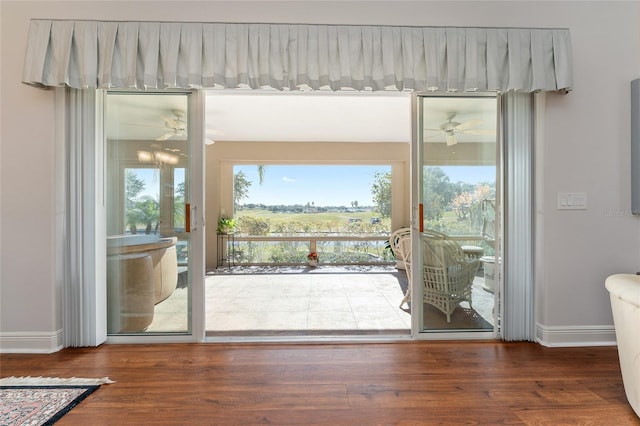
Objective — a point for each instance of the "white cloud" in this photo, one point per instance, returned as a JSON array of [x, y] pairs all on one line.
[[288, 179]]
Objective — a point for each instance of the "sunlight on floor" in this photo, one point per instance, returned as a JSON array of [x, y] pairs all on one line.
[[301, 301], [298, 301]]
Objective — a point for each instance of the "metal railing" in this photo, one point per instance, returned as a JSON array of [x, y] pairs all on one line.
[[292, 250], [289, 250]]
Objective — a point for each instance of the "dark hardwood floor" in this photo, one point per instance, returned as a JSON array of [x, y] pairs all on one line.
[[421, 383]]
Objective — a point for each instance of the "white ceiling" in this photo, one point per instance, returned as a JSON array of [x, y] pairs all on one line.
[[310, 116], [240, 115]]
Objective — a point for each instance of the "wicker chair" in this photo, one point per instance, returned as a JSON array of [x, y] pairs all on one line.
[[394, 242], [404, 253], [448, 274]]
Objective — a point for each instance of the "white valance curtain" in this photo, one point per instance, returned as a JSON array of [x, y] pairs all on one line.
[[154, 55]]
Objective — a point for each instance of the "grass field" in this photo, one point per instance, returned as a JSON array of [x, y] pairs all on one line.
[[256, 222], [348, 221], [334, 221], [263, 222]]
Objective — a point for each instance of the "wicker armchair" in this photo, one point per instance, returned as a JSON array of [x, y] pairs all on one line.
[[394, 242], [448, 274], [403, 247]]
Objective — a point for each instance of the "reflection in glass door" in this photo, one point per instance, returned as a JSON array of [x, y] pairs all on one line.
[[148, 243], [458, 190]]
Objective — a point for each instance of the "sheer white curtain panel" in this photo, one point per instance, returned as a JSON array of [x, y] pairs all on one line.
[[154, 55]]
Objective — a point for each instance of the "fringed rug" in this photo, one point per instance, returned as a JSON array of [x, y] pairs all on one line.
[[42, 400]]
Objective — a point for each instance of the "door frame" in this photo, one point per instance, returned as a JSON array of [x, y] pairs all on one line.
[[416, 163], [197, 123], [196, 333]]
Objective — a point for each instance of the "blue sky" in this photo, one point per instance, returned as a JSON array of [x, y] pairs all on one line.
[[151, 177], [332, 185], [470, 174], [321, 185]]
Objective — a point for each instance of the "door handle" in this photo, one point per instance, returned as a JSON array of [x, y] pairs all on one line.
[[194, 220], [187, 217]]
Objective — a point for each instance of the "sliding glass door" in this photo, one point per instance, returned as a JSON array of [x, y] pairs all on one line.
[[150, 214], [457, 193]]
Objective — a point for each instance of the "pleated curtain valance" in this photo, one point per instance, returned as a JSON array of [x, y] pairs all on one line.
[[155, 55]]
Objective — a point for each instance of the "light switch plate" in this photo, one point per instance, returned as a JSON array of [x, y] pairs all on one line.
[[572, 200]]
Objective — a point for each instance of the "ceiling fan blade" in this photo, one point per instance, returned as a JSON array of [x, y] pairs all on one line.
[[165, 136], [433, 136], [467, 124], [143, 125], [211, 136], [480, 132], [451, 139], [170, 122], [175, 124]]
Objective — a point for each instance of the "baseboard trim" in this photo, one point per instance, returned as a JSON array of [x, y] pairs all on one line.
[[31, 342], [558, 336], [550, 336]]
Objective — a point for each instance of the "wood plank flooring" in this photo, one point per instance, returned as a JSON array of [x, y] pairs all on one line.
[[420, 383]]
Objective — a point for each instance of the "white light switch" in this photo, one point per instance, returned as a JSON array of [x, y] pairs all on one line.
[[572, 200]]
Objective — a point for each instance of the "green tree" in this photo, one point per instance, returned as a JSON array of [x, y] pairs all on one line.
[[240, 189], [146, 211], [381, 191], [462, 205], [438, 193], [133, 186], [178, 206], [180, 190]]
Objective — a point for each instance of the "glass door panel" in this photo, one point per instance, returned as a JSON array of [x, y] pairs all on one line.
[[147, 151], [458, 188]]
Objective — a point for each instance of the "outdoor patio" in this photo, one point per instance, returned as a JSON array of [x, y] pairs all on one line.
[[327, 300]]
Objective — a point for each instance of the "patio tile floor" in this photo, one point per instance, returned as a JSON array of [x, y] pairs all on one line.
[[248, 301], [303, 300]]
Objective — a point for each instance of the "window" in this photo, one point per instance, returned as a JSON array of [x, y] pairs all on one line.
[[459, 188], [341, 211]]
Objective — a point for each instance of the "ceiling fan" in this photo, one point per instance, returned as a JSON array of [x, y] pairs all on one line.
[[211, 136], [176, 126], [452, 128]]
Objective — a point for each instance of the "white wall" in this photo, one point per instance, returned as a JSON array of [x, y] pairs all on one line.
[[585, 148]]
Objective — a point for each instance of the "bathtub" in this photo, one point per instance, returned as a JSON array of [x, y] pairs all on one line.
[[624, 291], [142, 271], [163, 257]]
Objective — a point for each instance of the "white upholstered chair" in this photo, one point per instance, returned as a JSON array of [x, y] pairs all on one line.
[[624, 293]]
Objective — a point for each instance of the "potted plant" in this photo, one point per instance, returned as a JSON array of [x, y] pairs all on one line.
[[312, 258], [226, 225]]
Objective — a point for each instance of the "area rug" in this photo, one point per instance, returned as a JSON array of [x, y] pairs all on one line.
[[42, 400]]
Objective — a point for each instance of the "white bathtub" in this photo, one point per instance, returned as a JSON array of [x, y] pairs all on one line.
[[142, 271], [163, 256], [624, 291]]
